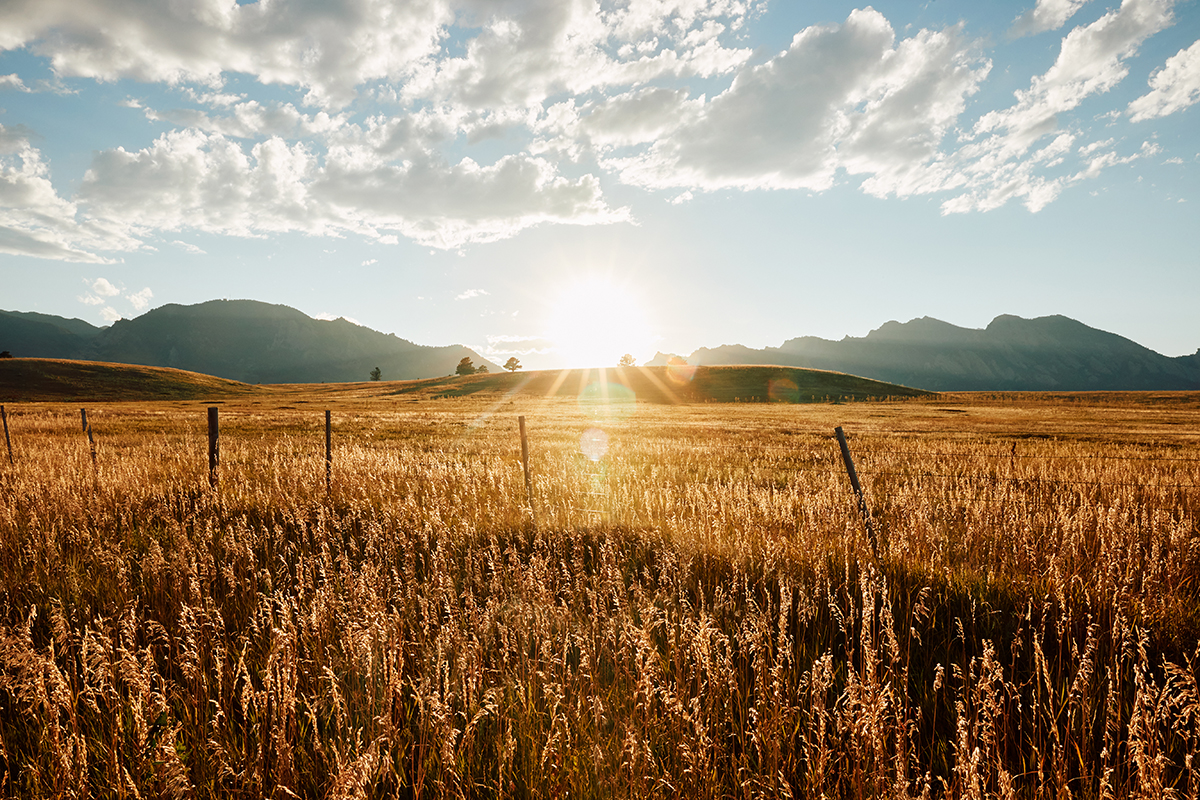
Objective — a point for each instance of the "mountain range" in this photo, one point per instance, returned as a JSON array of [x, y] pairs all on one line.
[[256, 342], [1052, 353], [242, 340]]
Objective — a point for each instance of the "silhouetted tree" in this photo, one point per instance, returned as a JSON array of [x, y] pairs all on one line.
[[5, 354], [377, 374], [626, 361], [512, 365], [465, 367]]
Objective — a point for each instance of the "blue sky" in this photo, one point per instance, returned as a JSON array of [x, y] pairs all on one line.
[[569, 180]]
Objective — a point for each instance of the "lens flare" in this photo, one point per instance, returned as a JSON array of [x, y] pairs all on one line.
[[607, 400], [593, 443], [681, 374], [783, 390]]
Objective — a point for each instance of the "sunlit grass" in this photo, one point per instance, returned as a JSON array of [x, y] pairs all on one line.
[[696, 612]]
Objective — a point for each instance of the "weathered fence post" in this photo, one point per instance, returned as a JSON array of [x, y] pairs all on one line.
[[328, 451], [525, 464], [214, 447], [88, 430], [7, 441], [862, 503]]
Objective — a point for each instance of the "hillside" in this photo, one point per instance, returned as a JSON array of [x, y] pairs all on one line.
[[54, 380], [1012, 354], [664, 385], [32, 380], [241, 340]]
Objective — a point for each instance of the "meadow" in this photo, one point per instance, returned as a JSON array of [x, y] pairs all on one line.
[[691, 607]]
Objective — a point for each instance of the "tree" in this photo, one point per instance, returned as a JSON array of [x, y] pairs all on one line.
[[626, 361], [512, 365], [377, 374], [6, 354], [465, 367], [482, 370]]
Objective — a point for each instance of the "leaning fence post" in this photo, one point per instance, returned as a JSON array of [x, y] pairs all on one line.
[[862, 503], [525, 464], [328, 450], [214, 447], [88, 430], [7, 441]]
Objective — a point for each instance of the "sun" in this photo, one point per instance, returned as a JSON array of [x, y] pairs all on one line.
[[595, 320]]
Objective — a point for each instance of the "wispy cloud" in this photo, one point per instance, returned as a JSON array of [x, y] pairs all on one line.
[[469, 293], [188, 247], [13, 83], [1047, 15], [499, 345]]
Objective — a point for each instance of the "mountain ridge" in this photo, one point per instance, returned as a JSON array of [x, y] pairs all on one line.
[[1052, 353], [243, 340]]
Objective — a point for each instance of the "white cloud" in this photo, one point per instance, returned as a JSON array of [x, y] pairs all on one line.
[[110, 314], [189, 248], [103, 288], [326, 49], [208, 183], [370, 261], [841, 96], [469, 293], [34, 220], [528, 50], [141, 300], [1047, 15], [91, 300], [13, 82], [1172, 88]]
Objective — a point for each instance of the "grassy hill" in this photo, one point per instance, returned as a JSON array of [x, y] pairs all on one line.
[[722, 384], [57, 380]]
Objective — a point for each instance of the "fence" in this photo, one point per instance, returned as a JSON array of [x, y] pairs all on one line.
[[870, 470]]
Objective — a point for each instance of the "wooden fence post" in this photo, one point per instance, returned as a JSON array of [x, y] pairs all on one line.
[[7, 441], [328, 451], [525, 464], [88, 430], [214, 447], [862, 503]]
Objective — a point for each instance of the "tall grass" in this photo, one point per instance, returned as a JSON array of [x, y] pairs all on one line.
[[696, 613]]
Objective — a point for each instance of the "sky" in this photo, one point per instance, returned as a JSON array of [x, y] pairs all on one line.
[[565, 181]]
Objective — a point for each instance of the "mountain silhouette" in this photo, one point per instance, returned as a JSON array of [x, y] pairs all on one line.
[[243, 340], [1052, 353]]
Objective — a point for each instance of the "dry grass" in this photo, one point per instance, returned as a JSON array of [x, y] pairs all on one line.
[[696, 613]]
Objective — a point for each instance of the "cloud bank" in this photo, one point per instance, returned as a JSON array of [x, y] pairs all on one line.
[[457, 122]]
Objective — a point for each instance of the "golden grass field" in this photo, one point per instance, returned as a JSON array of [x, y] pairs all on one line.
[[693, 612]]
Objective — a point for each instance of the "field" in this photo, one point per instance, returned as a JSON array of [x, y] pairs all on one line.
[[691, 607]]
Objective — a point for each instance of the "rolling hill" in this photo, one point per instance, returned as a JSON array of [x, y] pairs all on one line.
[[32, 380], [1012, 354], [55, 380], [242, 340]]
